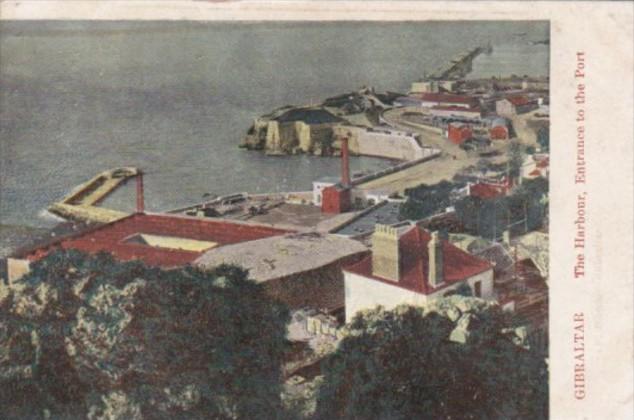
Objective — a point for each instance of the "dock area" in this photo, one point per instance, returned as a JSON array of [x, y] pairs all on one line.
[[82, 203], [292, 210]]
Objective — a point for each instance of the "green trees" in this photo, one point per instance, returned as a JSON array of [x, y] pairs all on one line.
[[459, 359], [427, 200], [516, 158], [89, 337], [543, 138], [522, 211]]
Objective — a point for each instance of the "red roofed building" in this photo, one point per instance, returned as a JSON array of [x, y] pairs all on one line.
[[499, 132], [514, 105], [336, 199], [447, 100], [458, 133], [412, 267], [484, 191], [161, 240]]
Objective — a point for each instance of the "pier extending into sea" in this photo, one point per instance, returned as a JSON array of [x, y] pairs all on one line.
[[81, 204], [459, 66]]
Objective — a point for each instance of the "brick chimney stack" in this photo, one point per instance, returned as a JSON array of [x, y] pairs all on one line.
[[385, 253], [435, 268], [140, 197], [345, 162]]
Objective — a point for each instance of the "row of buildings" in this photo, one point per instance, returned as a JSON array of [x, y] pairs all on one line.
[[324, 271], [466, 113]]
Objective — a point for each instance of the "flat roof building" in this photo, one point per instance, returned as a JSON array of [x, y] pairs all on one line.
[[161, 240], [300, 269], [385, 213]]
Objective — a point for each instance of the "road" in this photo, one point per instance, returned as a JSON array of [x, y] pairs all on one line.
[[525, 133], [452, 161]]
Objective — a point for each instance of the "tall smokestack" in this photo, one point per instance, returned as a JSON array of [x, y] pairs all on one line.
[[345, 162], [140, 198]]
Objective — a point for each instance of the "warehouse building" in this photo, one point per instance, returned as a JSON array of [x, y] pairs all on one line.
[[301, 269]]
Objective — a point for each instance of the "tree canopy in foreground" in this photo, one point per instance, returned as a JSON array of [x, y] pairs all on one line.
[[87, 337], [459, 358]]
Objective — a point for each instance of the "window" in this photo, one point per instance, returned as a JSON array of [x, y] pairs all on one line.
[[477, 289]]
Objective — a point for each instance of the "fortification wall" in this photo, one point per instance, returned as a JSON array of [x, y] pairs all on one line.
[[387, 143]]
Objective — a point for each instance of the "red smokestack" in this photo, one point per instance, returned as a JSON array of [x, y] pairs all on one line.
[[345, 162], [140, 198]]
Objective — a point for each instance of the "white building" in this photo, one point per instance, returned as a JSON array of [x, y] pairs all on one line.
[[412, 266], [456, 112], [320, 184], [515, 105]]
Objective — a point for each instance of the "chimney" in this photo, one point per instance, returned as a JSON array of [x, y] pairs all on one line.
[[345, 163], [435, 268], [385, 252], [140, 198]]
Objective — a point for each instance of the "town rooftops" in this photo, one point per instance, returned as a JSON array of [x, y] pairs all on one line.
[[520, 100], [534, 246], [309, 116], [161, 240], [414, 263], [282, 256], [446, 98], [456, 108]]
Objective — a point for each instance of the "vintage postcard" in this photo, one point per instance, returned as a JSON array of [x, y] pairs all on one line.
[[316, 210]]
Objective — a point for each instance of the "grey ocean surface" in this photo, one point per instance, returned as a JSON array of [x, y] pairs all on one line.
[[176, 98]]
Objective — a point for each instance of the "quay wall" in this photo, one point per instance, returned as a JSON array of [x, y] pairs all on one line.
[[433, 153], [383, 142], [393, 146]]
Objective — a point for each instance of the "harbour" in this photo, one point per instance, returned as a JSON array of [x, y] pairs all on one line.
[[67, 125]]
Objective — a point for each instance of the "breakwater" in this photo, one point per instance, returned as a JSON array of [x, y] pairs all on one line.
[[81, 203], [460, 66]]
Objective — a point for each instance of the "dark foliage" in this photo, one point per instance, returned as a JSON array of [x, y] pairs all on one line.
[[426, 200], [543, 138], [402, 364], [516, 158], [522, 211], [170, 344]]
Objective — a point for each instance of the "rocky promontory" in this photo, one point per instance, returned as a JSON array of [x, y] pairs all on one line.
[[316, 129]]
